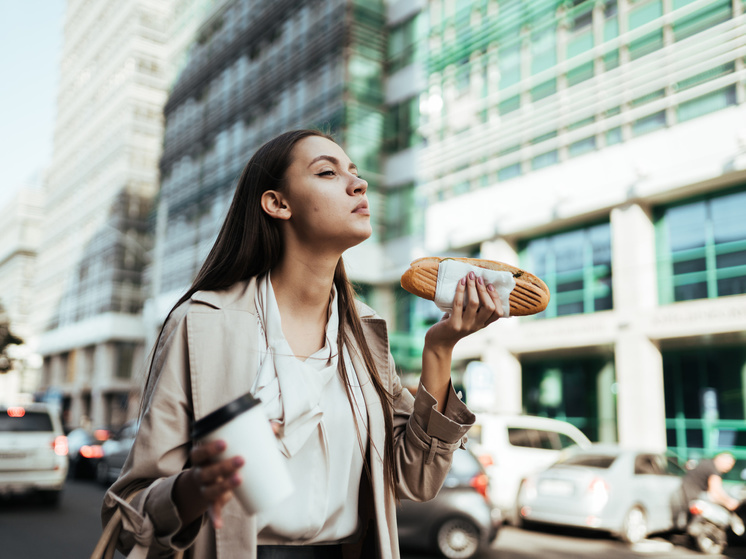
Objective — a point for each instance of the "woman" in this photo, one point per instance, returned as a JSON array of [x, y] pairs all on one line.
[[272, 312]]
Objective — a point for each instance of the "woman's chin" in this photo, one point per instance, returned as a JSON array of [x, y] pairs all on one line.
[[359, 236]]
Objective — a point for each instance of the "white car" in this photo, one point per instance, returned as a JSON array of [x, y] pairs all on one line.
[[33, 451], [626, 492], [512, 447]]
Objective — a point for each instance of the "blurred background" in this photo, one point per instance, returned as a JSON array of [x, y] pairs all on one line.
[[599, 144]]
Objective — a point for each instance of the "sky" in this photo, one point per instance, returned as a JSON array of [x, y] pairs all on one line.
[[30, 55]]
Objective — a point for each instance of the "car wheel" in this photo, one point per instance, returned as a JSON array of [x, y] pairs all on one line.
[[102, 473], [635, 526], [457, 538], [709, 539]]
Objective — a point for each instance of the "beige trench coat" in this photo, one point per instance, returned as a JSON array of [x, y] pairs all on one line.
[[206, 358]]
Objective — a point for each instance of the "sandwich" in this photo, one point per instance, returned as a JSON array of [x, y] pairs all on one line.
[[435, 278]]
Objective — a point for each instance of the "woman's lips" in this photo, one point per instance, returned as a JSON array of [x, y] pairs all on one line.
[[362, 209]]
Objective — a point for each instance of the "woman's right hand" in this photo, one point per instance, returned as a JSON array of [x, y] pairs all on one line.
[[208, 484]]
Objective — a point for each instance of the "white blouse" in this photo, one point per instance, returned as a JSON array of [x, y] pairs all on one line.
[[319, 437]]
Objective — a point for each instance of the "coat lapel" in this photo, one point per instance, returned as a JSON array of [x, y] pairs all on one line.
[[223, 335]]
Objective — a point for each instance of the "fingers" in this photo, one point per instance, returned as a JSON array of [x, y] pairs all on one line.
[[219, 478], [458, 299], [483, 305], [206, 453], [213, 480]]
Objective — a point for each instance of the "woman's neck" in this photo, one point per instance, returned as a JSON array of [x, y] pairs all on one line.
[[302, 285], [302, 292]]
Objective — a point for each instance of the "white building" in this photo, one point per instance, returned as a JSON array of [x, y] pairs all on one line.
[[19, 242], [601, 146], [101, 182]]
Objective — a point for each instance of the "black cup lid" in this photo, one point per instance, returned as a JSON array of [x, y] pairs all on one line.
[[223, 415]]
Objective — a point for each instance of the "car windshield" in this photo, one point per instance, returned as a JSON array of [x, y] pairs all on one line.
[[538, 438], [603, 461], [19, 420]]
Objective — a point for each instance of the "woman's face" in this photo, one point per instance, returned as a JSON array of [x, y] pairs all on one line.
[[326, 198]]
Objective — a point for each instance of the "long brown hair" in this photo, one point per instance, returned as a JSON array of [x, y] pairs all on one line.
[[250, 244]]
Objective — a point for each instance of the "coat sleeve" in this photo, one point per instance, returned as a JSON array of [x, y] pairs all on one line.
[[158, 455], [425, 439]]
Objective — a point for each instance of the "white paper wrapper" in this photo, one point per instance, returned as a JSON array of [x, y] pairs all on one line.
[[450, 273]]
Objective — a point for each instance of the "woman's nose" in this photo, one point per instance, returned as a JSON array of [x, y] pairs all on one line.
[[357, 185]]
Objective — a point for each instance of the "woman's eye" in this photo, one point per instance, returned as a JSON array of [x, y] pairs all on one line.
[[326, 174]]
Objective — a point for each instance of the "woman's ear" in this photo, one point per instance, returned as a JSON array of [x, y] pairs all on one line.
[[275, 204]]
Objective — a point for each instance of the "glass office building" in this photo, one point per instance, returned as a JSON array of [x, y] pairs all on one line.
[[600, 145], [256, 69]]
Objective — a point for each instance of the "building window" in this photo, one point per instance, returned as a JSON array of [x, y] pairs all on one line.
[[402, 121], [403, 41], [705, 395], [125, 352], [579, 391], [702, 248], [576, 266], [639, 16], [509, 62], [706, 104], [401, 212], [707, 16]]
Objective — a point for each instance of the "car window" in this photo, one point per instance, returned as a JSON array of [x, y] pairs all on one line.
[[519, 436], [646, 464], [475, 433], [603, 461], [465, 466], [19, 420], [673, 468], [538, 438], [566, 440]]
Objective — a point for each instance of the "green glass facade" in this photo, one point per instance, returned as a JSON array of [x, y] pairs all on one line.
[[538, 66], [706, 400], [576, 266], [520, 90], [702, 248], [580, 390]]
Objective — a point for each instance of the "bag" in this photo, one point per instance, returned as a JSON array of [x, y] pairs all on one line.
[[107, 543]]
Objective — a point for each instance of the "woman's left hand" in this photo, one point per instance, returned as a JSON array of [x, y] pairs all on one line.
[[475, 306]]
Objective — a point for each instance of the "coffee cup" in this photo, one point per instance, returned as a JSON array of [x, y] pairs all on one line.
[[243, 425]]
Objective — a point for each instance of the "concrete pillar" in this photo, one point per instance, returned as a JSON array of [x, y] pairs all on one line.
[[57, 370], [607, 425], [77, 413], [508, 394], [104, 366], [633, 261], [639, 365], [507, 385], [641, 404]]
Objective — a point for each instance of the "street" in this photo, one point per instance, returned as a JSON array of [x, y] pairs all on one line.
[[32, 530]]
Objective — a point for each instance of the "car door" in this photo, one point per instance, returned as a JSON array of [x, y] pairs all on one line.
[[655, 489]]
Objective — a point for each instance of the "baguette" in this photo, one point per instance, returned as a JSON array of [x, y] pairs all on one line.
[[530, 295]]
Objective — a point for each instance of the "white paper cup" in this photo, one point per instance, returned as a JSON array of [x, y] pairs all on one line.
[[244, 427]]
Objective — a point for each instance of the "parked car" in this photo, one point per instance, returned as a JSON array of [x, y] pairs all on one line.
[[33, 451], [115, 452], [628, 493], [512, 447], [460, 521], [85, 451]]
